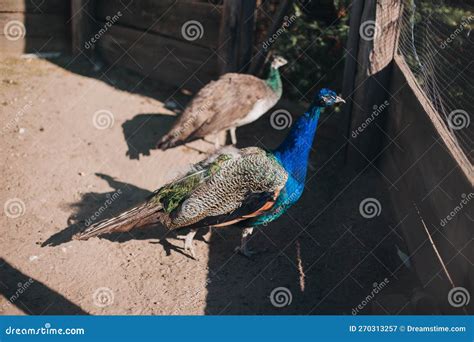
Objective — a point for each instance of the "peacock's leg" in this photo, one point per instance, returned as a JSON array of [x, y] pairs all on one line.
[[188, 241], [233, 136], [243, 248]]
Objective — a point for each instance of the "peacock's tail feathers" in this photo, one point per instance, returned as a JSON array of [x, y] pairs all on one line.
[[139, 216]]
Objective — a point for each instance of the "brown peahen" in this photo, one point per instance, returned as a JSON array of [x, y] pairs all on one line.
[[232, 101]]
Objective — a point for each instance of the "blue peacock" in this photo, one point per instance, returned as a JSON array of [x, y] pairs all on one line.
[[247, 187]]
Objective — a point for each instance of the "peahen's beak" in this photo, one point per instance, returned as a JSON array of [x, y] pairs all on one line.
[[340, 99]]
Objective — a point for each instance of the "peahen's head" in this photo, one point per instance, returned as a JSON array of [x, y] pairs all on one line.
[[327, 98], [278, 61]]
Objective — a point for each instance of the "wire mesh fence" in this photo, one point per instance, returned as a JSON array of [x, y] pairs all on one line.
[[436, 41]]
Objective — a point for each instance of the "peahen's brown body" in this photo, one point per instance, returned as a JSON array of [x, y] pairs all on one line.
[[231, 101]]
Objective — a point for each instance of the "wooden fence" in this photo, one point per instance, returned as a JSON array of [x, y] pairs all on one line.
[[36, 26], [395, 128]]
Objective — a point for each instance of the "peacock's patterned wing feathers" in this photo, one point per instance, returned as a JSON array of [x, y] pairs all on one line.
[[230, 184]]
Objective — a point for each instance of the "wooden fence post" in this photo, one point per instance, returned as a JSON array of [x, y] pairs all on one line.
[[236, 35], [367, 76], [82, 25]]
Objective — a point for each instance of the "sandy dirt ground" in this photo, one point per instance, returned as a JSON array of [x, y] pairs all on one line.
[[60, 165]]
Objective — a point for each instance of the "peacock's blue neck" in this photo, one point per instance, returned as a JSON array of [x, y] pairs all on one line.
[[293, 153]]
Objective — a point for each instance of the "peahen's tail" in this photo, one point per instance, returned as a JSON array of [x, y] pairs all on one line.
[[139, 216]]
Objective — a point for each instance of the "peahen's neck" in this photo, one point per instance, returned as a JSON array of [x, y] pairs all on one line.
[[293, 153], [274, 81]]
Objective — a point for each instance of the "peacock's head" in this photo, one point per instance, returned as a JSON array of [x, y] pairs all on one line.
[[327, 98], [278, 61]]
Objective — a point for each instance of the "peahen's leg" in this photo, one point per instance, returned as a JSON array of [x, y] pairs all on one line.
[[188, 241], [233, 136], [243, 248], [217, 143]]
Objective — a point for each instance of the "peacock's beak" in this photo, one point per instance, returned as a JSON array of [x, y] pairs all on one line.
[[340, 99]]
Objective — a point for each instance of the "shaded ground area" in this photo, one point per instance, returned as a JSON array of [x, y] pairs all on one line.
[[60, 166]]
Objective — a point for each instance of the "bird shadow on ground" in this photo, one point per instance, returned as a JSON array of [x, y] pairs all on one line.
[[94, 207], [32, 296], [143, 131]]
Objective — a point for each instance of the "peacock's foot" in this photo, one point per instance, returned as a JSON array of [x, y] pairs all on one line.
[[188, 242], [245, 251], [243, 248]]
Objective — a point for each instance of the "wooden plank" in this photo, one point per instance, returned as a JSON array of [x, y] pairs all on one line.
[[372, 77], [435, 117], [229, 36], [165, 59], [83, 26], [387, 20], [38, 25], [33, 45], [166, 17], [428, 175], [36, 6], [350, 66], [260, 56], [247, 28]]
